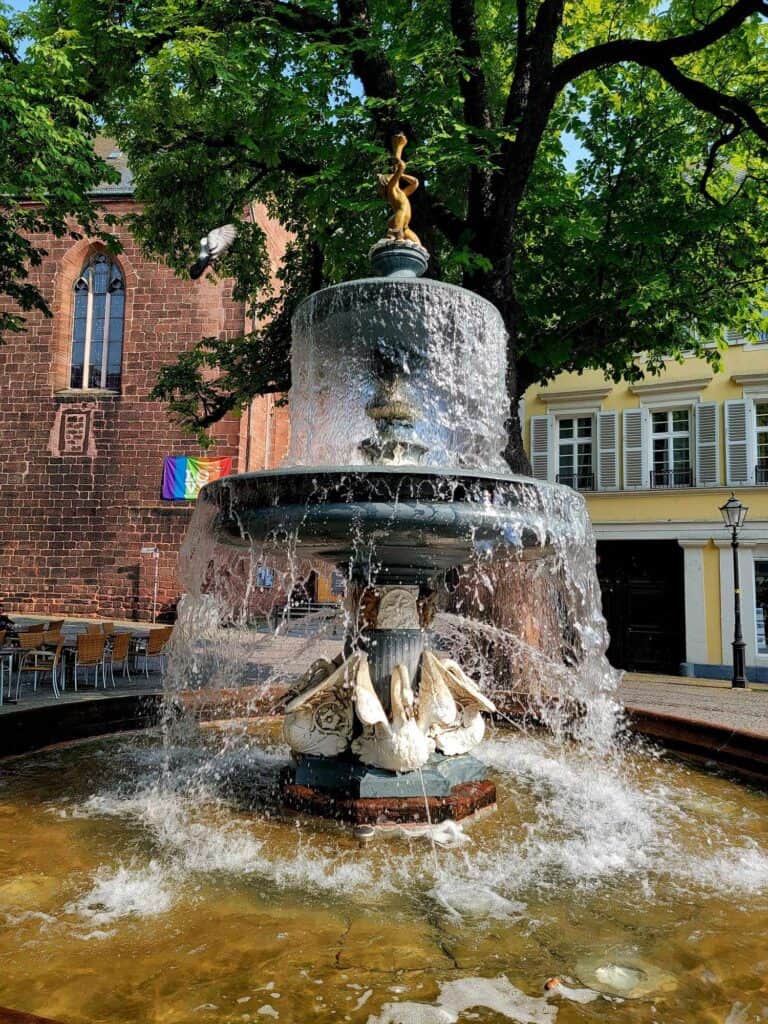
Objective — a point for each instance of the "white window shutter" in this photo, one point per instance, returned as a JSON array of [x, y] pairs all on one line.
[[734, 337], [739, 465], [635, 448], [541, 447], [607, 451], [708, 444]]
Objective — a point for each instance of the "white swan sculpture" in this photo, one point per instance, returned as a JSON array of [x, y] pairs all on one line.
[[447, 715], [319, 719], [399, 745]]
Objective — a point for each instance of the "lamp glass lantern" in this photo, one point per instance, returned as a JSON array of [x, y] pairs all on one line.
[[733, 513]]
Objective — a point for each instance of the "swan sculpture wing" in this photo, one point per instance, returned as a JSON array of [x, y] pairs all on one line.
[[367, 704], [319, 719], [468, 727], [463, 688], [436, 703]]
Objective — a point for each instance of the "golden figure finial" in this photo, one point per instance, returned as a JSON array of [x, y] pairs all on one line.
[[397, 187]]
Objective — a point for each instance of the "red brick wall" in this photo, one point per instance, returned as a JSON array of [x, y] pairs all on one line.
[[72, 523]]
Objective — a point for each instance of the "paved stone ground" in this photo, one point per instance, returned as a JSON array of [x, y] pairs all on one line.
[[270, 660], [698, 700], [43, 696]]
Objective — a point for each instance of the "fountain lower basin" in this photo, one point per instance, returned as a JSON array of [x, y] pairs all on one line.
[[223, 906]]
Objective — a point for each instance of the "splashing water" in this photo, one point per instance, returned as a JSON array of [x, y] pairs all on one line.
[[582, 873]]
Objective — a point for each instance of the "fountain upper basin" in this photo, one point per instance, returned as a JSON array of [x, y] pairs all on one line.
[[411, 522], [443, 350]]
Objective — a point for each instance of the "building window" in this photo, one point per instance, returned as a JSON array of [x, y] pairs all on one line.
[[671, 448], [97, 325], [574, 453], [761, 604], [761, 442]]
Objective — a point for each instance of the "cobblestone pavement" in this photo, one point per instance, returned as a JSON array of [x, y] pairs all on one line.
[[698, 700]]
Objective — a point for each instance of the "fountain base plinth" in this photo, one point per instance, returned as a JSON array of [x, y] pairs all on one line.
[[345, 789], [463, 801], [347, 777]]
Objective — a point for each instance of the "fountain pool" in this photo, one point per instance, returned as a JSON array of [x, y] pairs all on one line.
[[131, 892]]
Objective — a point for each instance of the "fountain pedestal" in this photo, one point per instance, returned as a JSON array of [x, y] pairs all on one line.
[[466, 800]]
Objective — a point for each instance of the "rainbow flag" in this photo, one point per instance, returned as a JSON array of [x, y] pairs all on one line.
[[183, 476]]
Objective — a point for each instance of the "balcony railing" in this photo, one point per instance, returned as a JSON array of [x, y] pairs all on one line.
[[761, 474], [672, 477], [578, 481]]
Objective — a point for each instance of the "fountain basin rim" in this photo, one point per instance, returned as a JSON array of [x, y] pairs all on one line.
[[448, 474], [416, 522], [392, 282]]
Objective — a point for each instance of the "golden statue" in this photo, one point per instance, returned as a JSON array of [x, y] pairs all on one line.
[[397, 187]]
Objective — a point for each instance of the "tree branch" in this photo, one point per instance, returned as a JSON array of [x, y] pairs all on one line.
[[452, 226], [730, 109], [648, 52], [522, 23], [370, 64], [477, 113], [727, 136], [472, 81]]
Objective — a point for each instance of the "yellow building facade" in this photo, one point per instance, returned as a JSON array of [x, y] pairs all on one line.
[[655, 460]]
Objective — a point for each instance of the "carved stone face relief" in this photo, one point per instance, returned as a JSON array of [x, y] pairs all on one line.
[[399, 608]]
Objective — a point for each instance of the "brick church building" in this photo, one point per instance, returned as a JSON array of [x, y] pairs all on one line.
[[82, 445]]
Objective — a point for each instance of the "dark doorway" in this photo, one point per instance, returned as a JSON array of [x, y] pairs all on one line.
[[643, 603]]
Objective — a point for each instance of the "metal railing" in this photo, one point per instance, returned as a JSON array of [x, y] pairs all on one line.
[[578, 481], [761, 474], [672, 477]]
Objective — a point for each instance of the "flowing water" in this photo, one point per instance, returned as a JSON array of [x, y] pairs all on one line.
[[144, 881]]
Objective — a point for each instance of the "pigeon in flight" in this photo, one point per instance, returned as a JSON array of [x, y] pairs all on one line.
[[213, 245]]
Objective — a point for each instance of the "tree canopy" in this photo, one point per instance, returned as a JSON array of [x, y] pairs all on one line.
[[48, 166], [598, 169]]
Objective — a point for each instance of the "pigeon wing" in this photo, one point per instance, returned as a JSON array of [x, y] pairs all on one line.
[[220, 239]]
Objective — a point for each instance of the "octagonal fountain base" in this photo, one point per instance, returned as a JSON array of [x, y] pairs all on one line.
[[466, 800], [345, 789]]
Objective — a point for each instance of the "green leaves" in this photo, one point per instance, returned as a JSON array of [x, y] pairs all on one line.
[[47, 161], [637, 235]]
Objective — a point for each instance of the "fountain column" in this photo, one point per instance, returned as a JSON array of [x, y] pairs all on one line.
[[391, 623]]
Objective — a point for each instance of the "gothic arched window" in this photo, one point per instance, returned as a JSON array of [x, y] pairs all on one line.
[[97, 325]]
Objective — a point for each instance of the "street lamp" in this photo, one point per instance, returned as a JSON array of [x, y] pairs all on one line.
[[734, 514]]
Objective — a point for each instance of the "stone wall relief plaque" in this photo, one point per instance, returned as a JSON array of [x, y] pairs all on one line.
[[72, 432]]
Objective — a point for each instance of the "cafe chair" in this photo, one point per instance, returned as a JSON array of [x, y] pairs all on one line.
[[39, 660], [89, 654]]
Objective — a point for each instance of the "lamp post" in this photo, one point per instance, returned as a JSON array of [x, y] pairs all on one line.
[[734, 514]]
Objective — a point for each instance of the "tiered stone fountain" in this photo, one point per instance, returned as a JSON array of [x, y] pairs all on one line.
[[395, 476]]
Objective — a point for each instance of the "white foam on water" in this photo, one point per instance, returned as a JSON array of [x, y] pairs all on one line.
[[125, 892], [468, 899], [596, 822], [496, 994], [187, 846], [741, 868]]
